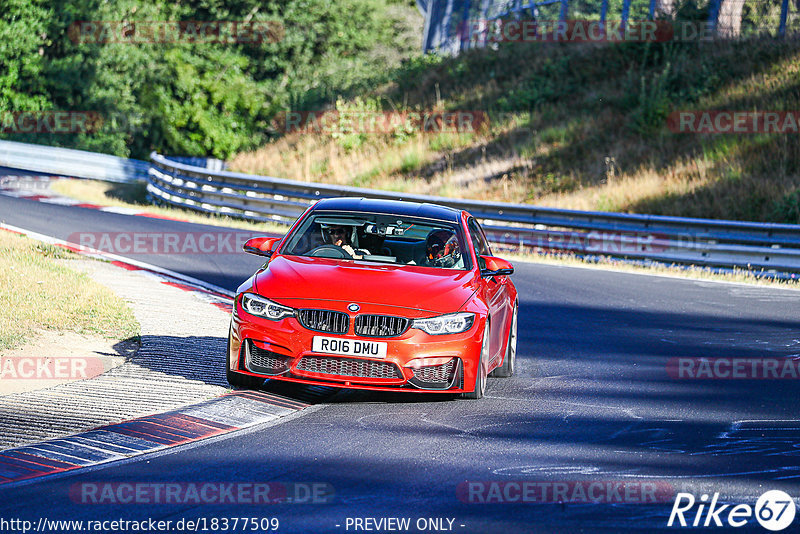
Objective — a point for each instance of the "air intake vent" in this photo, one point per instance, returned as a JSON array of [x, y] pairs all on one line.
[[349, 367], [266, 362], [437, 376]]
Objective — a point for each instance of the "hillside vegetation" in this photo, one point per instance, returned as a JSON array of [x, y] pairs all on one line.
[[179, 92], [579, 126]]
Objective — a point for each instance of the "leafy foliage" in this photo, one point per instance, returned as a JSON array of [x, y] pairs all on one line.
[[191, 98], [22, 25]]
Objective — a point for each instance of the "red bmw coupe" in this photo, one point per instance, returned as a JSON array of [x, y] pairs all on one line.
[[379, 295]]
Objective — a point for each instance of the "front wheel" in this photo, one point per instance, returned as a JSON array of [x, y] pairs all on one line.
[[507, 369], [243, 381], [480, 381]]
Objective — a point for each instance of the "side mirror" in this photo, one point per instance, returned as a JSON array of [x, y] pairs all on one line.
[[496, 267], [261, 246]]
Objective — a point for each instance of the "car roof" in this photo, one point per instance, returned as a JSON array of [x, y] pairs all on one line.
[[394, 207]]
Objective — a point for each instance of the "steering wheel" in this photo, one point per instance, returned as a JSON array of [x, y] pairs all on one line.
[[330, 251]]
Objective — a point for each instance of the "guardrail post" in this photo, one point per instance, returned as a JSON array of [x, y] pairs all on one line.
[[626, 10], [467, 25], [784, 16], [713, 15], [564, 10]]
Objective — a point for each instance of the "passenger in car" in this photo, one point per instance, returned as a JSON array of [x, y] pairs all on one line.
[[442, 249]]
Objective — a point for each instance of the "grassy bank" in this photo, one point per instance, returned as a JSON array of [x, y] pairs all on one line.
[[577, 126], [39, 291]]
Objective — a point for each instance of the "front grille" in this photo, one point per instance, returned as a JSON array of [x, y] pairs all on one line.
[[324, 321], [436, 374], [380, 325], [266, 362], [349, 367]]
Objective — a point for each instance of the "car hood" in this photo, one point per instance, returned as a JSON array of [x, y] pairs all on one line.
[[405, 286]]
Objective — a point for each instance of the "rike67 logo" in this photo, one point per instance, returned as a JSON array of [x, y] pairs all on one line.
[[774, 510]]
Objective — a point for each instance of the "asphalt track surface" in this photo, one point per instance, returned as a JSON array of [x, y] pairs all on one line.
[[592, 402]]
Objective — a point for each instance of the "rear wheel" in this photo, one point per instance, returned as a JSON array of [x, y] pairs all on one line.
[[507, 369], [238, 379], [480, 381]]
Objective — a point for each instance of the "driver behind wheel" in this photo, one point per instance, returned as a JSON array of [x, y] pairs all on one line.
[[442, 248], [340, 236]]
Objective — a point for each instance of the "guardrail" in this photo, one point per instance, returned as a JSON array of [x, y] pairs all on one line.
[[69, 162], [717, 243]]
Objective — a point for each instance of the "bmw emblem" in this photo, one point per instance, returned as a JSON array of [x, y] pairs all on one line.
[[353, 307]]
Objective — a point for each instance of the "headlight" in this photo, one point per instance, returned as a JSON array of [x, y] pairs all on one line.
[[255, 305], [445, 324]]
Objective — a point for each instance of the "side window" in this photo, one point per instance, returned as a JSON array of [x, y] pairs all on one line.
[[479, 242]]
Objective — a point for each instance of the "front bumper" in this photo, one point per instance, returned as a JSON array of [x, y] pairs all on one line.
[[415, 361]]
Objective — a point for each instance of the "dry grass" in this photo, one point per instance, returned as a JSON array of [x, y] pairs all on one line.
[[379, 163], [38, 291], [134, 196], [579, 146]]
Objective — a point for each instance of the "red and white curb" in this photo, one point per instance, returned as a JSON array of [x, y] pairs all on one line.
[[221, 415]]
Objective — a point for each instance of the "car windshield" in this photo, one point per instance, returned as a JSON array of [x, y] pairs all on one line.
[[380, 237]]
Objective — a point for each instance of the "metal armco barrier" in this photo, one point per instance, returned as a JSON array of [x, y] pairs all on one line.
[[68, 162], [717, 243]]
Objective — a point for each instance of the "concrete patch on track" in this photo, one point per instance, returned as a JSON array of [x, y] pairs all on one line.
[[773, 442]]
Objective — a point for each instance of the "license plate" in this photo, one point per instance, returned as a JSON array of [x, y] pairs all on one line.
[[349, 347]]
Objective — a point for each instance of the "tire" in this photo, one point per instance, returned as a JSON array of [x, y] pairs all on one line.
[[237, 379], [243, 381], [509, 362], [480, 382]]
